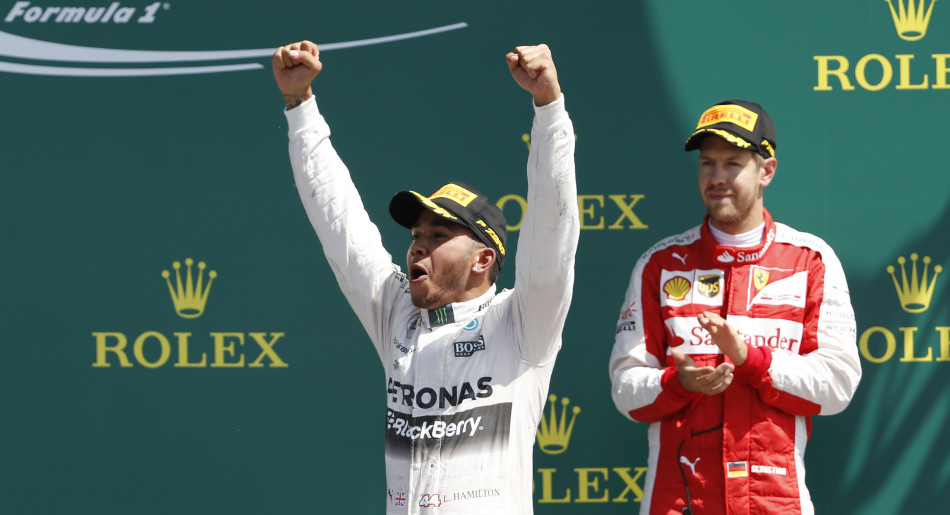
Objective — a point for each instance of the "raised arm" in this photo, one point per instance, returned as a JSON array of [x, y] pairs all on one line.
[[351, 242], [544, 275]]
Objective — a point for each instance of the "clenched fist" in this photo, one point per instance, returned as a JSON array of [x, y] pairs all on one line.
[[295, 66], [533, 69]]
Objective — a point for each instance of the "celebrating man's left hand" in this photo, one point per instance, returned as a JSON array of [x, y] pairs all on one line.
[[533, 69]]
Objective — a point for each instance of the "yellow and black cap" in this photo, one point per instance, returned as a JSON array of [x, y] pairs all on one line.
[[459, 203], [740, 123]]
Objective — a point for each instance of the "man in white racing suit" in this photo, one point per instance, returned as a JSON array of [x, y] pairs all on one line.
[[467, 368]]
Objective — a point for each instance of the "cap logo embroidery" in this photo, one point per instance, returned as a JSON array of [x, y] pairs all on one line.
[[491, 234], [435, 207], [728, 113], [728, 136], [455, 193]]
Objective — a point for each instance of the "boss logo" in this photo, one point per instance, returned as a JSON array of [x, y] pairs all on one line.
[[466, 349]]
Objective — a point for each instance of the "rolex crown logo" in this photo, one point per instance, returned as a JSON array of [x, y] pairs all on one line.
[[915, 293], [554, 433], [911, 20], [191, 296]]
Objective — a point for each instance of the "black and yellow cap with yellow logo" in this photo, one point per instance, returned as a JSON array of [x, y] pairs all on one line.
[[738, 122], [459, 203]]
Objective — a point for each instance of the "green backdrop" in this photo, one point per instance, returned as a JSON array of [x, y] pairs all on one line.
[[170, 144]]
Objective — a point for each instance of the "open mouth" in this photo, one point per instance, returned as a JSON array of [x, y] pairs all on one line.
[[417, 273]]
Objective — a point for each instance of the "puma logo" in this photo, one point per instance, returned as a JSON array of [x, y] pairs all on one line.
[[681, 258], [692, 466]]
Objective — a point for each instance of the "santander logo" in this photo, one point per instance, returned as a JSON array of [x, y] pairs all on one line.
[[85, 61], [726, 257]]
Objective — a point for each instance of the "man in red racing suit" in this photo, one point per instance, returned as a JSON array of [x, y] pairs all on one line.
[[731, 336]]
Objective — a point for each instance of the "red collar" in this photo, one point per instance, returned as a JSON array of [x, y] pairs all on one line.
[[731, 256]]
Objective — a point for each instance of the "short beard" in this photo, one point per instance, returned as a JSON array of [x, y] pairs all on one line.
[[451, 282], [733, 214]]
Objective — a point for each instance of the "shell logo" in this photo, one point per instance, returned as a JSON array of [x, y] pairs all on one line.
[[676, 288]]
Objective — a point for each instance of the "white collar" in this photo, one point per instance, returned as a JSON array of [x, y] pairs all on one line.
[[457, 311], [746, 239]]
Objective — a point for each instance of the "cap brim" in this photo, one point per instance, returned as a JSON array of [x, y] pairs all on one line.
[[729, 137], [405, 208], [693, 142]]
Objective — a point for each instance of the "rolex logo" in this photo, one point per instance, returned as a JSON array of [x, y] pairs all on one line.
[[911, 20], [182, 349], [190, 296], [554, 433], [915, 293]]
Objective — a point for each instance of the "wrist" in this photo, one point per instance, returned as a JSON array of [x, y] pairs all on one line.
[[295, 98], [547, 97], [757, 363], [672, 384], [742, 354]]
